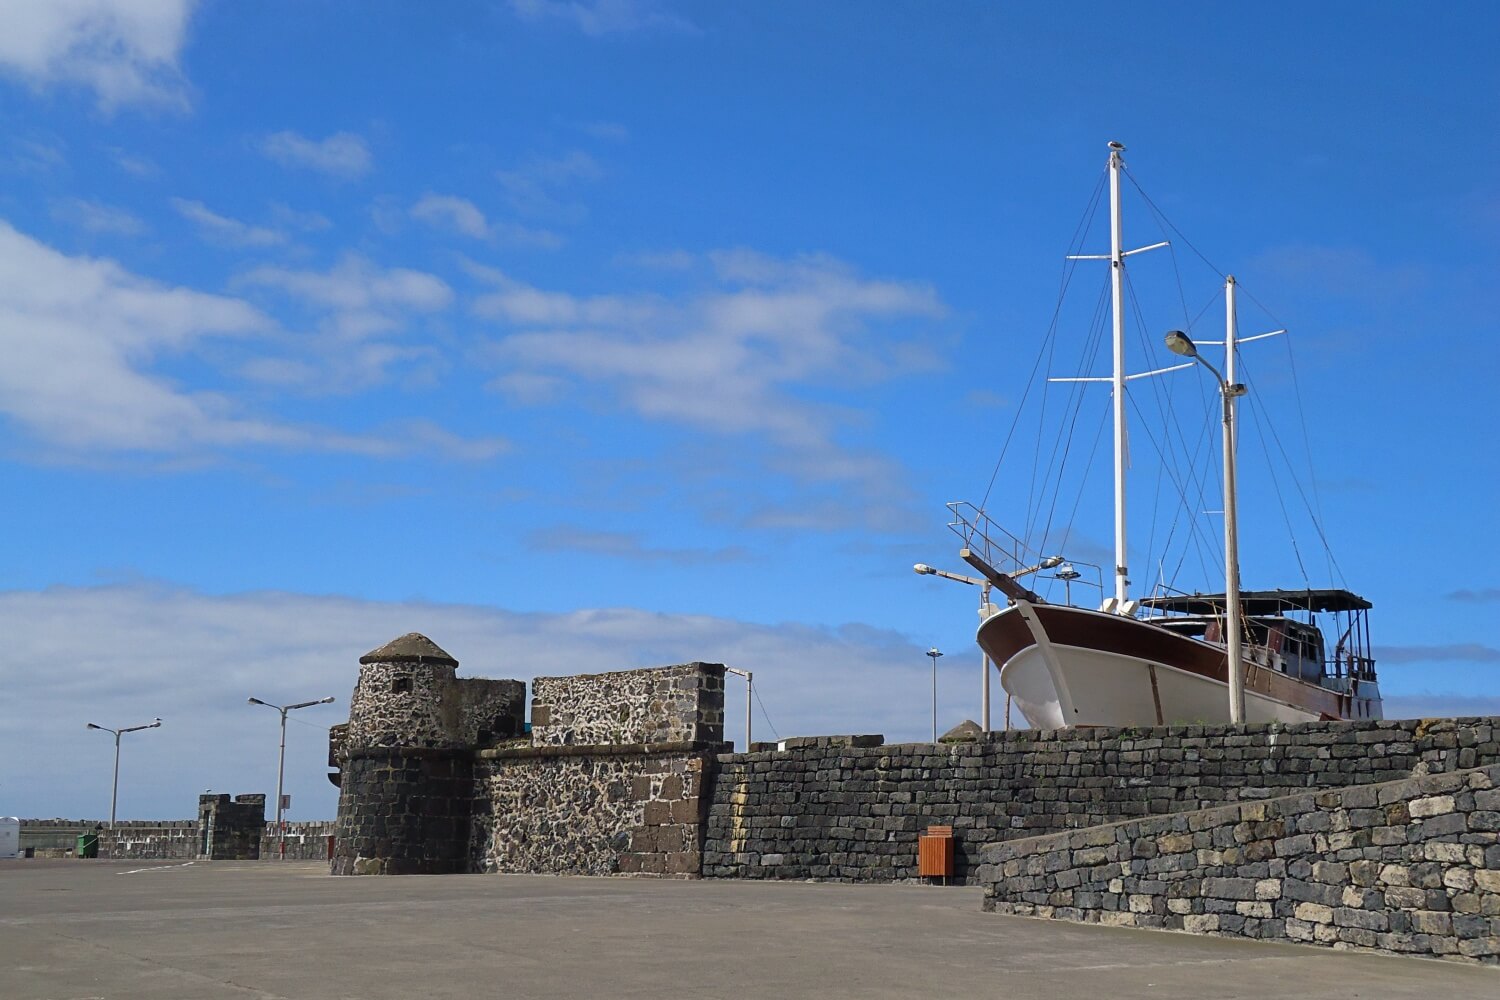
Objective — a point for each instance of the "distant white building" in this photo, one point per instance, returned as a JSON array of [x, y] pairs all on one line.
[[10, 837]]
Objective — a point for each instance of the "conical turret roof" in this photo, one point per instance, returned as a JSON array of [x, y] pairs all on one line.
[[965, 732], [413, 647]]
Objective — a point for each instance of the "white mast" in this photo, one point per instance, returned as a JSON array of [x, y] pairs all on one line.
[[1229, 391], [1117, 289]]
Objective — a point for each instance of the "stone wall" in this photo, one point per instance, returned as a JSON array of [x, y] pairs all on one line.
[[613, 779], [679, 704], [406, 759], [1410, 866], [305, 841], [601, 810], [151, 840], [230, 830], [404, 811], [56, 834], [829, 808], [168, 839]]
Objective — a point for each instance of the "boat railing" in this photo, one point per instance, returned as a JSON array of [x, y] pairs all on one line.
[[981, 534]]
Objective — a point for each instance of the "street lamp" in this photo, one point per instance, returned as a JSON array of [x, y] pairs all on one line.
[[114, 790], [281, 759], [1180, 343], [749, 676], [985, 610], [934, 654]]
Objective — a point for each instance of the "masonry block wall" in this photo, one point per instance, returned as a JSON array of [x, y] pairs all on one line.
[[613, 780], [230, 830], [406, 759], [1410, 866], [435, 775], [151, 840], [600, 810], [828, 808], [678, 704]]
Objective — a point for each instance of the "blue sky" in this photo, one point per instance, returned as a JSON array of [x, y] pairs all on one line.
[[600, 334]]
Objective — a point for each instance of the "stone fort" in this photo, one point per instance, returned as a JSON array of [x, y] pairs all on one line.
[[1379, 834]]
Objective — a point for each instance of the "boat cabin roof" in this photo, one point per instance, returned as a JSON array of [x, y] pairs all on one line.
[[1262, 602]]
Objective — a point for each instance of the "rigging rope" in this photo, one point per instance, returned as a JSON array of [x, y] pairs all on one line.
[[1069, 266]]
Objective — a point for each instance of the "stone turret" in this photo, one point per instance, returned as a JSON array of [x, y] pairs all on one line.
[[406, 758]]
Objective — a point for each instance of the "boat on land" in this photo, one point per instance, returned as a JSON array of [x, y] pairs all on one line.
[[1168, 657]]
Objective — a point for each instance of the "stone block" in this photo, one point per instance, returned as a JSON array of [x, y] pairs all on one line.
[[1313, 913], [1432, 805], [1200, 923], [1430, 922]]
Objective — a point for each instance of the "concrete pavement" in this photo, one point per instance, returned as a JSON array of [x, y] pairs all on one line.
[[205, 931]]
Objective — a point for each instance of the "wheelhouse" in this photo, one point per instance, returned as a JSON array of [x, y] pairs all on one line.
[[1284, 630]]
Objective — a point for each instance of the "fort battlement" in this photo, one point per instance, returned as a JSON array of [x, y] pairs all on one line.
[[627, 773]]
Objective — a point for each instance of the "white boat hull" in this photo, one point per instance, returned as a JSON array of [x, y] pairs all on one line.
[[1067, 666], [1110, 689]]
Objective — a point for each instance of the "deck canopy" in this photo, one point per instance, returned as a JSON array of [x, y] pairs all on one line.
[[1262, 602]]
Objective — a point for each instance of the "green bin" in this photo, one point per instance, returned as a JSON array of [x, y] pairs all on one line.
[[88, 845]]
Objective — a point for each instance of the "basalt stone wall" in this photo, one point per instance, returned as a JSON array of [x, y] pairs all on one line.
[[1409, 866], [305, 841], [230, 830], [151, 840], [679, 704], [404, 810], [826, 808], [596, 810], [402, 704]]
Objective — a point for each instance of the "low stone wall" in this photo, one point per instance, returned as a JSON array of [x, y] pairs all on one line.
[[151, 840], [1409, 866], [831, 808], [56, 834], [595, 810], [306, 841], [162, 840]]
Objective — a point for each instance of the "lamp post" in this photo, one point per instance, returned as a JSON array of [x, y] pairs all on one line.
[[934, 654], [1179, 343], [749, 676], [114, 790], [281, 760], [922, 569]]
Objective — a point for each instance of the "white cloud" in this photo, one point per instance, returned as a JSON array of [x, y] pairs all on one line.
[[534, 188], [132, 163], [80, 337], [97, 217], [118, 655], [448, 212], [723, 360], [356, 285], [342, 154], [224, 230], [752, 356], [1453, 652], [459, 215], [125, 51], [77, 335], [354, 305], [603, 17]]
